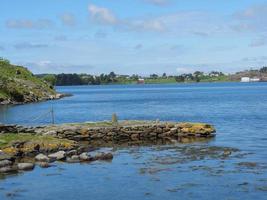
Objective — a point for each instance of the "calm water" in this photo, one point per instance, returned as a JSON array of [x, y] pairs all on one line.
[[238, 111]]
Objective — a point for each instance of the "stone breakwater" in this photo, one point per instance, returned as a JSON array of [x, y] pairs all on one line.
[[27, 146], [120, 133]]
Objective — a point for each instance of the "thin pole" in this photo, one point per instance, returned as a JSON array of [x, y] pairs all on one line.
[[52, 115]]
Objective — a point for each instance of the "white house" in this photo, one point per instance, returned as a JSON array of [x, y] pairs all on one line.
[[245, 79]]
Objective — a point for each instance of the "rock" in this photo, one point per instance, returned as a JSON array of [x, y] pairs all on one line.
[[71, 153], [4, 163], [227, 153], [8, 169], [85, 157], [52, 133], [44, 164], [4, 156], [60, 155], [73, 159], [104, 156], [42, 158], [25, 166], [174, 130]]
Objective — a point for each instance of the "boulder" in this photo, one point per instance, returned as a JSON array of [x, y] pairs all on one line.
[[71, 153], [60, 155], [25, 166], [42, 158], [73, 159], [4, 163], [4, 156], [8, 169], [85, 157]]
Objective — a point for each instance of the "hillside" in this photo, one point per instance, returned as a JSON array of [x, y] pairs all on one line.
[[19, 85]]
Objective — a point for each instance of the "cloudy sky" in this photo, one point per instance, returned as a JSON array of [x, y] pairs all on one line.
[[134, 36]]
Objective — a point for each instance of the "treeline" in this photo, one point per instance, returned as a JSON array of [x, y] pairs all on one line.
[[200, 76], [112, 78], [87, 79]]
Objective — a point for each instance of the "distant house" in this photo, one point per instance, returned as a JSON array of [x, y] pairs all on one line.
[[141, 81], [248, 79], [255, 79], [245, 79]]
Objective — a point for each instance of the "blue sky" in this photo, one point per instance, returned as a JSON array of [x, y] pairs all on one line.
[[134, 36]]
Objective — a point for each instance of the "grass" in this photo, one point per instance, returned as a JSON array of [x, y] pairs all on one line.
[[17, 82], [6, 140], [160, 80]]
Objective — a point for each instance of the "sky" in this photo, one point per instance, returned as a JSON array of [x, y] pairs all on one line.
[[134, 36]]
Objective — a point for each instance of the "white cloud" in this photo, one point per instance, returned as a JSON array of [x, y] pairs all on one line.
[[154, 25], [29, 24], [102, 15]]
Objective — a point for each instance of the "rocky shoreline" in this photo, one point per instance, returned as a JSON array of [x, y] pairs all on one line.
[[26, 147], [34, 99]]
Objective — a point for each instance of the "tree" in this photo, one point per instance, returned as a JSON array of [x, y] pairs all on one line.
[[154, 76], [51, 79], [5, 61], [263, 70], [180, 78]]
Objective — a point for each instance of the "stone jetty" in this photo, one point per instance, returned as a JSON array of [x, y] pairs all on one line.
[[24, 147]]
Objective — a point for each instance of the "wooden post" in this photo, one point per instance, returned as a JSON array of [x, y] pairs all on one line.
[[52, 115]]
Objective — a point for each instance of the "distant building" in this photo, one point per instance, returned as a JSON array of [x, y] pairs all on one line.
[[141, 81], [255, 79], [247, 79]]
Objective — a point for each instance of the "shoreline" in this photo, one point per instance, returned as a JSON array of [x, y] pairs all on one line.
[[57, 96]]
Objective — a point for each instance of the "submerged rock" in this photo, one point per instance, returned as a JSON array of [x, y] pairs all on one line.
[[104, 156], [44, 164]]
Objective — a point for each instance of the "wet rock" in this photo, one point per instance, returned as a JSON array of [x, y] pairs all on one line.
[[85, 157], [44, 164], [73, 159], [248, 164], [25, 166], [104, 156], [60, 155], [227, 153], [42, 158]]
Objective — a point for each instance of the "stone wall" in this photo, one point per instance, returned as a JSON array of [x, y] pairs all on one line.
[[119, 133]]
